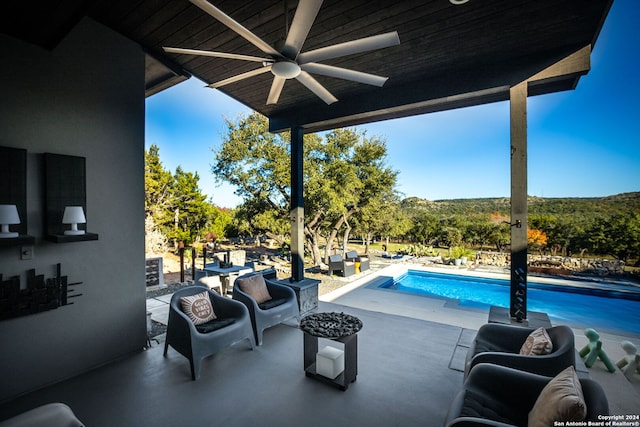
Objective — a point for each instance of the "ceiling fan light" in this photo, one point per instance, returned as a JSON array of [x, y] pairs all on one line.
[[457, 2], [285, 69]]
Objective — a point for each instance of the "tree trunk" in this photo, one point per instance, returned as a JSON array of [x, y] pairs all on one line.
[[330, 239], [334, 232], [275, 237], [345, 237], [312, 238], [367, 242]]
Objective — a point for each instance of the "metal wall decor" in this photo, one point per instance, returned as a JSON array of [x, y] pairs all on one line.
[[40, 294]]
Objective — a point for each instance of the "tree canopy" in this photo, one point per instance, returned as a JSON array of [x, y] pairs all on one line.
[[602, 226], [350, 191], [345, 174], [175, 206]]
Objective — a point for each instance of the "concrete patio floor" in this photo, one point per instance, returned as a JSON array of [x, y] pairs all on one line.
[[404, 379]]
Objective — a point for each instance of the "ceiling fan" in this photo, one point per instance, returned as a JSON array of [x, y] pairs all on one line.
[[289, 62]]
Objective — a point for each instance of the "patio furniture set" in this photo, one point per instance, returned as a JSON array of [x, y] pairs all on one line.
[[513, 375], [223, 271], [202, 322], [351, 264], [518, 375]]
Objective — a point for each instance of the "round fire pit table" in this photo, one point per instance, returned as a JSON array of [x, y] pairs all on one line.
[[338, 327]]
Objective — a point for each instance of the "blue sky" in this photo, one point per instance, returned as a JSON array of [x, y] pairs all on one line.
[[582, 143]]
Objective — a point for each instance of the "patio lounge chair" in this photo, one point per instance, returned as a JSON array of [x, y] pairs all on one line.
[[500, 344], [494, 395], [196, 342], [345, 267], [283, 304], [362, 259]]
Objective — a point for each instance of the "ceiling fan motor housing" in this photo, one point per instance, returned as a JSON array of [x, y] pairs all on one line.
[[285, 69]]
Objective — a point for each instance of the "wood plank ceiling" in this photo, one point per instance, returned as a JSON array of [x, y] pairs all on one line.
[[450, 56]]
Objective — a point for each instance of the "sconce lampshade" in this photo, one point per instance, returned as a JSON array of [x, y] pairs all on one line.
[[8, 215], [73, 215]]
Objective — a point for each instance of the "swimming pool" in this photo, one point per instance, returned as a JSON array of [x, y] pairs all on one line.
[[588, 307]]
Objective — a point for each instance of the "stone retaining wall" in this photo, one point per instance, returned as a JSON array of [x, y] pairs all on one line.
[[602, 267]]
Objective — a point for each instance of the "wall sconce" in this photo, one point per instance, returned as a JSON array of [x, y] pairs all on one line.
[[73, 215], [8, 215]]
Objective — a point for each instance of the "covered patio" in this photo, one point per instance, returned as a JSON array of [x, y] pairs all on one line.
[[409, 370], [75, 81], [405, 381]]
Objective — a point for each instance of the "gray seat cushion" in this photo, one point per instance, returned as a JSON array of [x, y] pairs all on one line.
[[477, 405], [214, 325]]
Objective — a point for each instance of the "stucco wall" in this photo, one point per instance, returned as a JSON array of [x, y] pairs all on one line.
[[85, 98]]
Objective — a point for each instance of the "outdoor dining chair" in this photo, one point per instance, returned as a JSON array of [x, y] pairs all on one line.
[[210, 281]]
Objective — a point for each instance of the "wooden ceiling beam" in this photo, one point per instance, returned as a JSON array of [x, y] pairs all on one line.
[[578, 63]]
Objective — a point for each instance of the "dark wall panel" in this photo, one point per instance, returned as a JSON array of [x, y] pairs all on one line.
[[88, 104]]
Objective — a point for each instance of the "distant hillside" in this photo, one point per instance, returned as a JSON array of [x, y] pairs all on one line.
[[625, 202]]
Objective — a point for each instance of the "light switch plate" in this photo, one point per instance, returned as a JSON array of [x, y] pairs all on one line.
[[26, 252]]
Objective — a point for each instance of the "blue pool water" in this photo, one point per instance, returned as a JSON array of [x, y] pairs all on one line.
[[607, 310]]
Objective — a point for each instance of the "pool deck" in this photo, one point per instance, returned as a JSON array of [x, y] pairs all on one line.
[[622, 392], [364, 293]]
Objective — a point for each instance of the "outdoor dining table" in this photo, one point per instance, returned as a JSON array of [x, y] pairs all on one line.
[[224, 273]]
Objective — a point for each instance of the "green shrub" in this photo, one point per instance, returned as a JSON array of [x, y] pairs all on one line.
[[418, 250], [459, 252]]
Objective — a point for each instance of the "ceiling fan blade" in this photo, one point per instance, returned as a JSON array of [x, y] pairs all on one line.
[[216, 54], [302, 21], [344, 73], [239, 77], [315, 87], [349, 48], [235, 26], [276, 89]]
